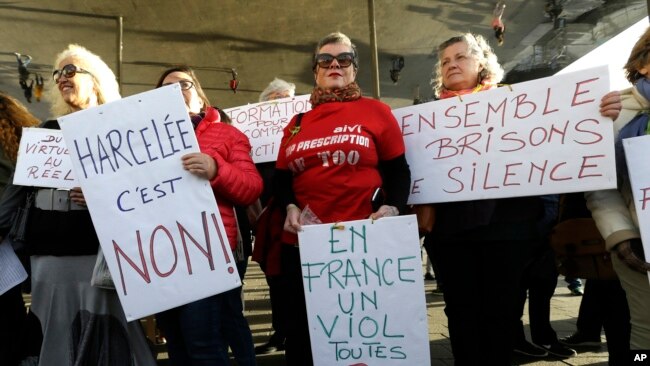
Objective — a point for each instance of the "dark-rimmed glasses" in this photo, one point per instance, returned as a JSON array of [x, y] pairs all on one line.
[[185, 84], [69, 71], [325, 60]]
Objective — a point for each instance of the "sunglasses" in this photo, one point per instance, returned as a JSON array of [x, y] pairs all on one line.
[[185, 84], [69, 71], [325, 60]]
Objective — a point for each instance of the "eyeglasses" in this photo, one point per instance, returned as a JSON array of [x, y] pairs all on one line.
[[325, 60], [185, 84], [69, 71]]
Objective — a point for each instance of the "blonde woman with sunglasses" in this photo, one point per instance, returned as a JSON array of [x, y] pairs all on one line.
[[81, 324]]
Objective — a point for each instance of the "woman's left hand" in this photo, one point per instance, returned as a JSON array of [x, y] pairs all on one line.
[[200, 164], [77, 196], [385, 211]]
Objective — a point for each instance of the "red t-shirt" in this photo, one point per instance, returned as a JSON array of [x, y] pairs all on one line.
[[334, 157]]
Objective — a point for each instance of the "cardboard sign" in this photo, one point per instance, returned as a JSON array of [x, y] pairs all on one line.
[[44, 160], [158, 225], [637, 150], [365, 292], [538, 137], [263, 123]]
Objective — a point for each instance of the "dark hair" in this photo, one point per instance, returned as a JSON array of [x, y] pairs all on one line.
[[197, 85], [224, 117], [639, 57]]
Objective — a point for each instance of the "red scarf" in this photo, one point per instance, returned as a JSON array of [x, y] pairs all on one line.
[[347, 94], [484, 85]]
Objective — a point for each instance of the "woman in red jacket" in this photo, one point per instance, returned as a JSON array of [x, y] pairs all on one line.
[[199, 333]]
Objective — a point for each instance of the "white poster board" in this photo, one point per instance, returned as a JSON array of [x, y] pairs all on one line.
[[365, 292], [158, 225], [538, 137], [637, 150], [263, 123], [12, 272], [43, 160]]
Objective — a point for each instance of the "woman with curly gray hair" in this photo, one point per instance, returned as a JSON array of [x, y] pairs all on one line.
[[278, 89], [82, 324], [479, 246], [482, 72]]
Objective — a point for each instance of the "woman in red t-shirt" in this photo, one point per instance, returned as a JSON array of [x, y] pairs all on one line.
[[343, 150]]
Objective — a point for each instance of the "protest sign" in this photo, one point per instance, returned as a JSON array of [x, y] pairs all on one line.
[[538, 137], [637, 150], [43, 160], [263, 123], [365, 292], [12, 272], [158, 225]]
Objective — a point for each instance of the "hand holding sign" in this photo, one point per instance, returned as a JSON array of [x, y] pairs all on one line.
[[610, 105], [200, 164], [77, 196]]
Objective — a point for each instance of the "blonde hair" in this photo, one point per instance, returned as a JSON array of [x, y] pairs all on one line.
[[478, 47], [639, 57], [277, 86], [106, 87], [13, 117]]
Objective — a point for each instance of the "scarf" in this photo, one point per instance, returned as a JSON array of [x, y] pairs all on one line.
[[638, 126], [346, 94], [484, 85], [209, 113]]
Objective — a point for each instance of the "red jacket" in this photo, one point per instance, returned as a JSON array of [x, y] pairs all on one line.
[[237, 181]]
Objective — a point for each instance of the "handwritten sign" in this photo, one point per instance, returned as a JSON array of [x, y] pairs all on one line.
[[365, 292], [158, 225], [636, 153], [263, 123], [43, 160], [544, 136]]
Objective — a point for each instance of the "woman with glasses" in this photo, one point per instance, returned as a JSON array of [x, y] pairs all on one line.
[[81, 324], [336, 179], [200, 332]]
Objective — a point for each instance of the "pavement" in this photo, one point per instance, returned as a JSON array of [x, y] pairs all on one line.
[[564, 312]]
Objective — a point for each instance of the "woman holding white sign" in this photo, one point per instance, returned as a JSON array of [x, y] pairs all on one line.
[[344, 152], [81, 323], [614, 210], [200, 332], [479, 245]]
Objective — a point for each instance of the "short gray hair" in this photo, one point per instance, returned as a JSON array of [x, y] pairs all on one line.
[[336, 38], [277, 86], [105, 83], [478, 47]]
